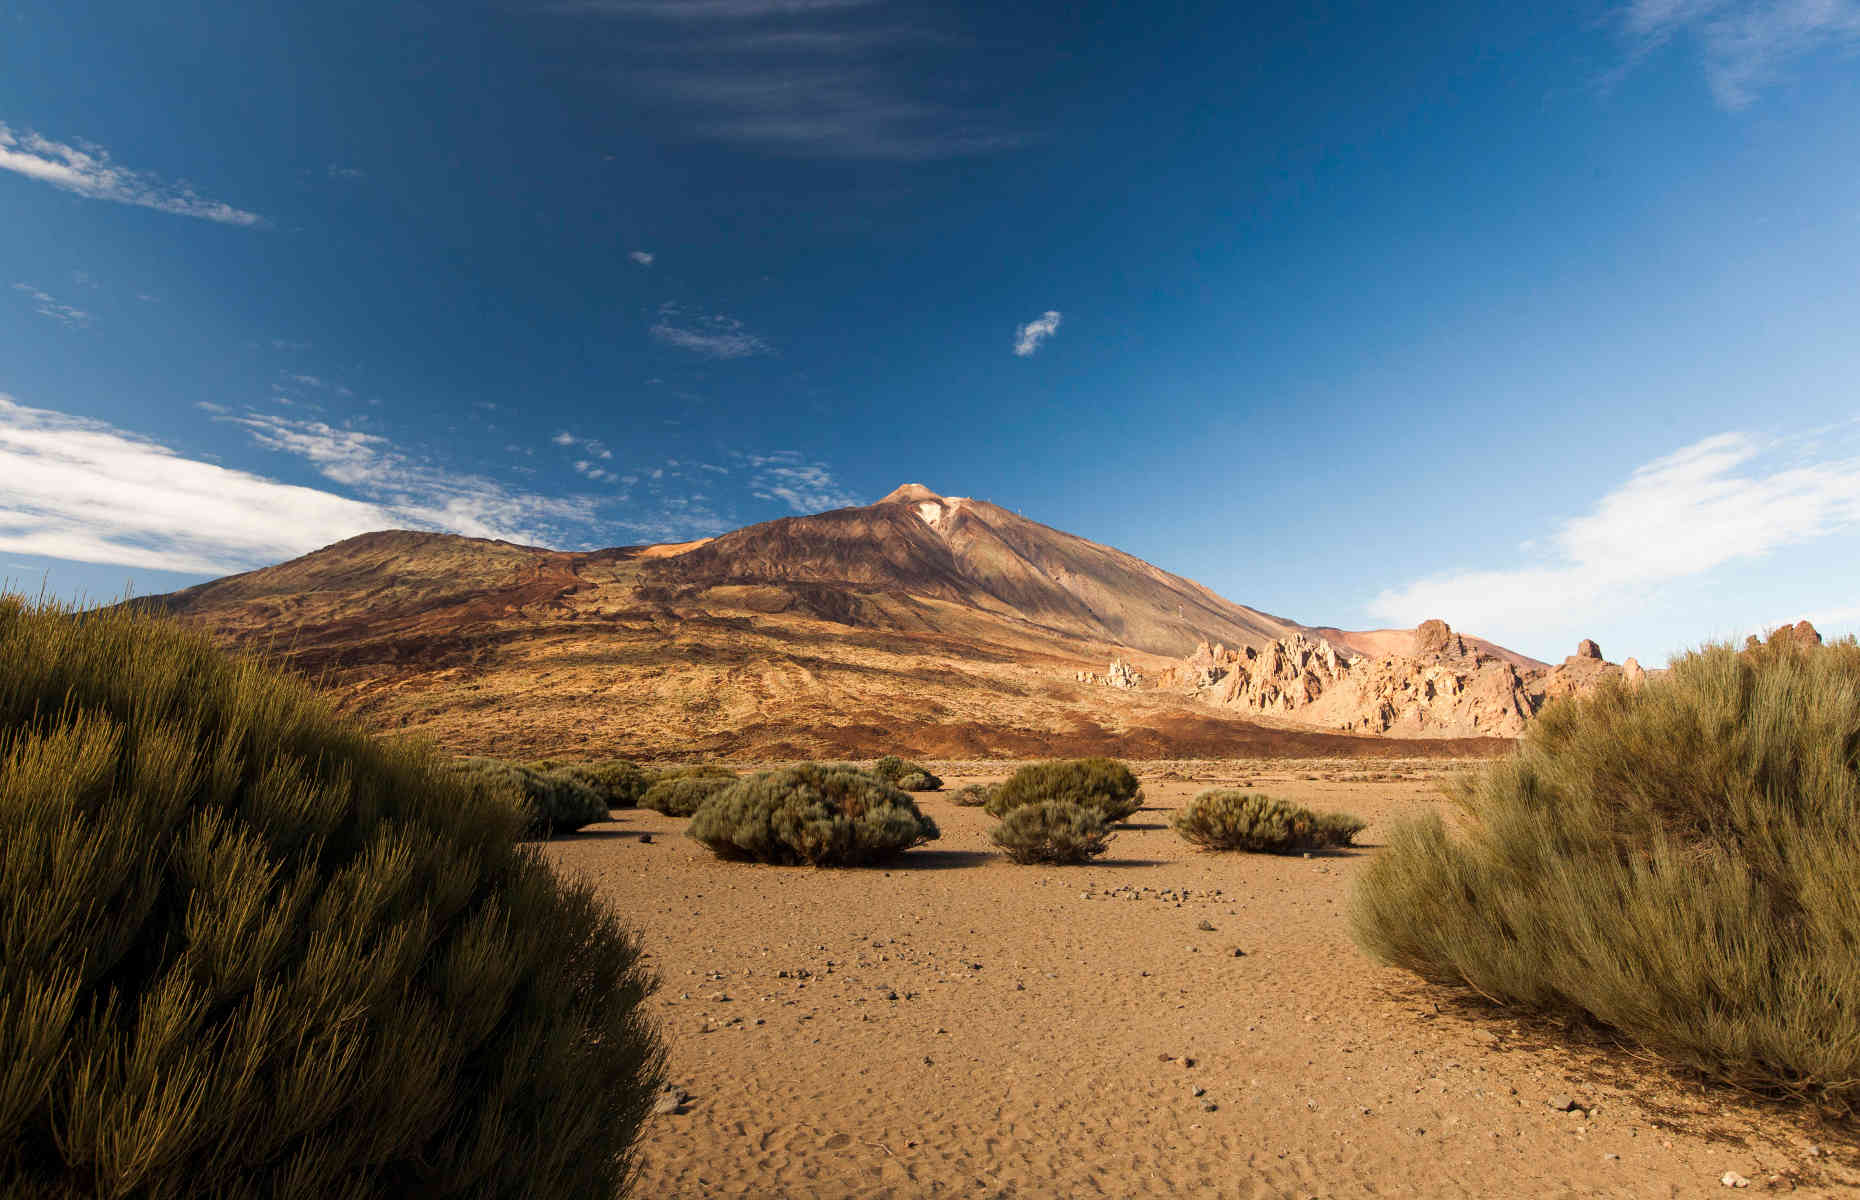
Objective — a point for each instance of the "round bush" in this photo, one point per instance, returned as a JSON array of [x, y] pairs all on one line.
[[973, 795], [1676, 861], [1101, 783], [556, 803], [1052, 833], [1230, 819], [904, 775], [619, 782], [248, 950], [823, 816], [683, 795]]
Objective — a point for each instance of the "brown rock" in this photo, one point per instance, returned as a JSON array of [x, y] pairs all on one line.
[[1802, 634], [1431, 637], [1587, 648]]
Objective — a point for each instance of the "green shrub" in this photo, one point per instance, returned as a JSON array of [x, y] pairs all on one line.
[[248, 950], [1101, 783], [555, 803], [973, 795], [1676, 861], [683, 795], [824, 816], [619, 782], [705, 771], [1230, 819], [904, 775], [1052, 833]]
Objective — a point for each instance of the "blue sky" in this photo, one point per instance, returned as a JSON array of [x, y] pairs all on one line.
[[1543, 322]]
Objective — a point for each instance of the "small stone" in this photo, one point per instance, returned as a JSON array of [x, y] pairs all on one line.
[[1188, 1063], [1199, 1092], [1205, 925], [1209, 1106], [1239, 953], [645, 839], [1561, 1103], [1732, 1179]]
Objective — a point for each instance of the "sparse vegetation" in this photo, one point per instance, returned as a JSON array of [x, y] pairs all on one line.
[[822, 816], [1052, 833], [248, 950], [1101, 783], [1675, 861], [1230, 819], [620, 783], [972, 795], [702, 771], [683, 795], [904, 775], [556, 803]]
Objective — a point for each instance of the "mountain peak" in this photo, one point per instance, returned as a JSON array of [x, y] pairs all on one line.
[[910, 493]]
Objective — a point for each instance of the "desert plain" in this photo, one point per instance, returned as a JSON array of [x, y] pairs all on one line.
[[1163, 1022]]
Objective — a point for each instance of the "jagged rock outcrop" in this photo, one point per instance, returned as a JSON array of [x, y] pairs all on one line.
[[1121, 674], [1445, 686]]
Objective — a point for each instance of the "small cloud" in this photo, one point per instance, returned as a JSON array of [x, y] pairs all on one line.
[[209, 406], [88, 170], [714, 336], [1029, 337], [642, 257], [286, 344], [49, 306], [337, 171]]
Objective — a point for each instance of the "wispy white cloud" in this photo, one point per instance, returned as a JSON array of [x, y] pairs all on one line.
[[84, 490], [1029, 337], [712, 335], [51, 306], [818, 78], [803, 485], [1746, 45], [338, 171], [1727, 498], [642, 257], [88, 170], [420, 492]]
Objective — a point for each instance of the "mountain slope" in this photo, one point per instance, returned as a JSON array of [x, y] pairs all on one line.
[[938, 626]]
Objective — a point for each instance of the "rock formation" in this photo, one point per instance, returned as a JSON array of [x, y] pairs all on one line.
[[1445, 686], [1121, 674]]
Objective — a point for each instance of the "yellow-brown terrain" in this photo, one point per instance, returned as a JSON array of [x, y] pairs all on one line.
[[934, 626]]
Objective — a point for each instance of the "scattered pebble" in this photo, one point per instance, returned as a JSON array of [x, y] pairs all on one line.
[[1562, 1103], [1205, 925], [645, 839], [1732, 1179]]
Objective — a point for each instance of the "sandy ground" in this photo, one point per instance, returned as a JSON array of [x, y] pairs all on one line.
[[957, 1025]]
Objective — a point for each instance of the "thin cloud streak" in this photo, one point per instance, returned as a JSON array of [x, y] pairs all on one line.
[[1746, 45], [809, 78], [51, 306], [713, 335], [89, 171]]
